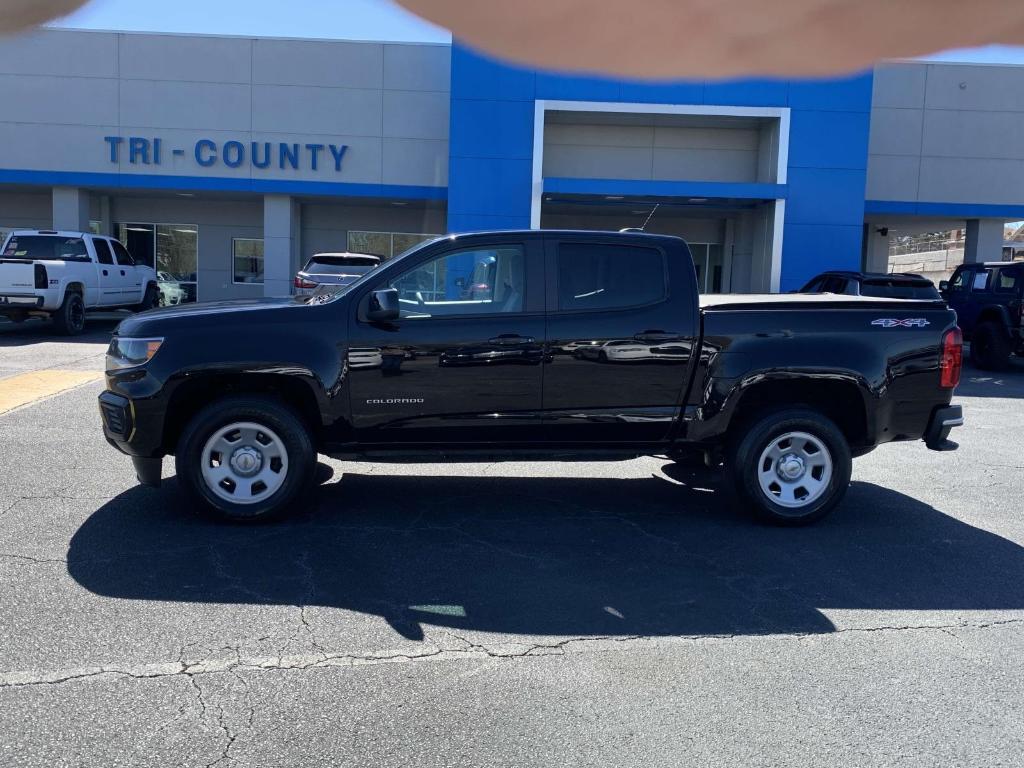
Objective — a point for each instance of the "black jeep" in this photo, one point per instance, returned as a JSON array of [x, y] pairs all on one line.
[[988, 301]]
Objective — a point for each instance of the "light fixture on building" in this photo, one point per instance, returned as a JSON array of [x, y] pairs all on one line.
[[185, 194], [698, 199], [399, 202], [614, 197]]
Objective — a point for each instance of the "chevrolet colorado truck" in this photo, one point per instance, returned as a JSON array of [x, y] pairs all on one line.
[[585, 344], [46, 273]]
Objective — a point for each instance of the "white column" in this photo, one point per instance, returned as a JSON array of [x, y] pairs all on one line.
[[71, 209], [876, 250], [281, 226], [984, 240]]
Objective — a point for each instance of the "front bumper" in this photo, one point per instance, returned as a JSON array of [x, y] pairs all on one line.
[[943, 421], [119, 427]]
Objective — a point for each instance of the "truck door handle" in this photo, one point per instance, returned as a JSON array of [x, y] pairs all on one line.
[[122, 273], [511, 338], [655, 336], [104, 273]]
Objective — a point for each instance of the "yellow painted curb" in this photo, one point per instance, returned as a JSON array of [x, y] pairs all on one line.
[[25, 388]]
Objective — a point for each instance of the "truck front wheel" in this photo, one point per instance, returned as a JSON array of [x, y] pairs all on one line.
[[790, 467], [246, 458], [69, 320]]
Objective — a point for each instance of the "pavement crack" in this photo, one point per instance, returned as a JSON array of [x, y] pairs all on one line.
[[219, 664]]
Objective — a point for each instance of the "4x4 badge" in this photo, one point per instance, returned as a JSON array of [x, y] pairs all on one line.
[[911, 322]]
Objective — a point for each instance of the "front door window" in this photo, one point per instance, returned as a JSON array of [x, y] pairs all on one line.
[[472, 282]]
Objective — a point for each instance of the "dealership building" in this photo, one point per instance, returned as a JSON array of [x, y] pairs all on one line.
[[227, 161]]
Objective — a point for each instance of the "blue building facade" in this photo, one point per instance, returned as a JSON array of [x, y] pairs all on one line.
[[253, 155], [495, 133]]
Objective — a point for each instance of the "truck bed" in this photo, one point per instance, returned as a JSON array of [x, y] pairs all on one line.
[[770, 301]]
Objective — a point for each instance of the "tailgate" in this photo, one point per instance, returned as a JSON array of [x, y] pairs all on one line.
[[17, 276]]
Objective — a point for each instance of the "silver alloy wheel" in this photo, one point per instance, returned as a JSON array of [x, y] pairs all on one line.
[[795, 469], [244, 463]]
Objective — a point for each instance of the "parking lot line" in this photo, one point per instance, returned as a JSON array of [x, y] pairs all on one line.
[[25, 388]]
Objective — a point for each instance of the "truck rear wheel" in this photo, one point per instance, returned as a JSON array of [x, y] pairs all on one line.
[[790, 467], [991, 347], [246, 459], [69, 320]]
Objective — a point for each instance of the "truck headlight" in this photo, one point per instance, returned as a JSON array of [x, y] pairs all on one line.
[[128, 353]]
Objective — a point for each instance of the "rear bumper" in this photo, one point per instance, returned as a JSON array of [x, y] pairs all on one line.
[[943, 421], [11, 302]]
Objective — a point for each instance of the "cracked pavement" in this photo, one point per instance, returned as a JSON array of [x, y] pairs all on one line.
[[496, 614]]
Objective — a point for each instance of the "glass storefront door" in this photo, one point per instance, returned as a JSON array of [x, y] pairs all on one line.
[[173, 251], [708, 259]]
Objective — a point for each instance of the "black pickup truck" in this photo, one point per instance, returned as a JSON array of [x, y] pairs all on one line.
[[538, 344]]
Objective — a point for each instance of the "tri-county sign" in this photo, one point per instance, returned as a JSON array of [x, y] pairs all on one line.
[[207, 153]]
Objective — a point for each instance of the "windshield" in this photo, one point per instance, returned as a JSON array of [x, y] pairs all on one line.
[[898, 289], [46, 248]]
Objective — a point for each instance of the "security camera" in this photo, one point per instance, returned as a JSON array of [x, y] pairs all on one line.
[[883, 231]]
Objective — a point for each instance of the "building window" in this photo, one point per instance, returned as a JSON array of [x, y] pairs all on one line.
[[708, 261], [247, 258], [387, 245], [173, 251]]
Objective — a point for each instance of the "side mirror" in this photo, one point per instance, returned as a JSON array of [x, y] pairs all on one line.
[[943, 286], [383, 306]]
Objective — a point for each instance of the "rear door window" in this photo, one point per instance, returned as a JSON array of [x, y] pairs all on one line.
[[599, 276], [46, 247], [103, 251], [121, 253], [1007, 281]]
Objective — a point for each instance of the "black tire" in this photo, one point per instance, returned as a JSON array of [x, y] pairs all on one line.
[[991, 347], [266, 412], [151, 299], [69, 320], [743, 466]]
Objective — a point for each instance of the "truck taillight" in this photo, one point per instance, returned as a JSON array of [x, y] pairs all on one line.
[[952, 358], [42, 280], [301, 283]]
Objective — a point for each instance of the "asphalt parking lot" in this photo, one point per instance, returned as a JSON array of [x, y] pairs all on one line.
[[605, 614]]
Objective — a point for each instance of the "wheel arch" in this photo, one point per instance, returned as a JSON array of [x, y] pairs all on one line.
[[194, 393], [998, 314], [840, 400]]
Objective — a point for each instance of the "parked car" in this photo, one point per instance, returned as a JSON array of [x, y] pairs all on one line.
[[783, 410], [989, 301], [330, 272], [893, 285], [46, 273], [171, 292]]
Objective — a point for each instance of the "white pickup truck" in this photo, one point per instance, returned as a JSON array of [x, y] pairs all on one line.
[[45, 273]]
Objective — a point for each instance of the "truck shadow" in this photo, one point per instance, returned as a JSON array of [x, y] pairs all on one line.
[[97, 331], [552, 556]]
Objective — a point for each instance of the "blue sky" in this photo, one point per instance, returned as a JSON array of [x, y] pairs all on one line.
[[343, 19]]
